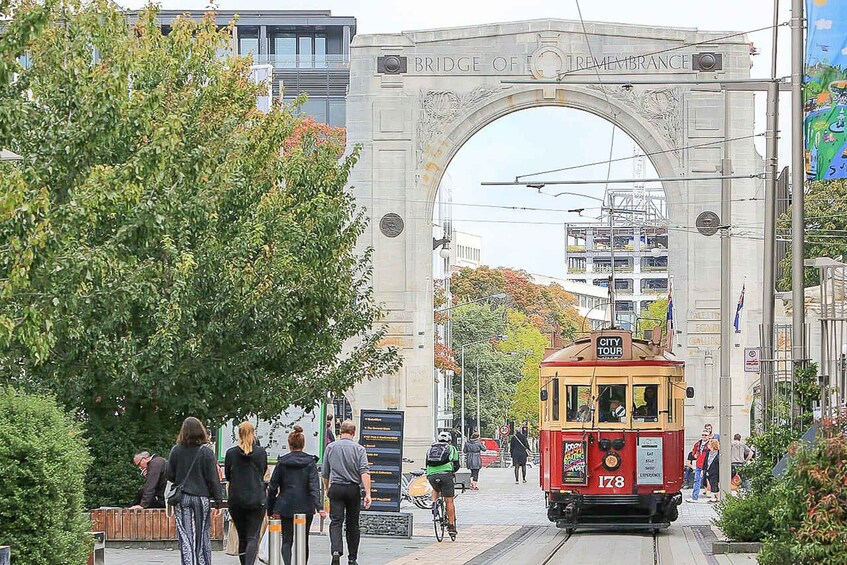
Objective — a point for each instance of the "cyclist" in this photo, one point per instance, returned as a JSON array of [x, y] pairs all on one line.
[[442, 461]]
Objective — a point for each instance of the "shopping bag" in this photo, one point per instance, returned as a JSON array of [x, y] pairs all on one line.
[[231, 539], [263, 542]]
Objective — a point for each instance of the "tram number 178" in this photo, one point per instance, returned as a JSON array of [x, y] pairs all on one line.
[[607, 481]]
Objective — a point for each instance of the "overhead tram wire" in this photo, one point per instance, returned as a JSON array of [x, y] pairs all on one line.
[[646, 154], [669, 49]]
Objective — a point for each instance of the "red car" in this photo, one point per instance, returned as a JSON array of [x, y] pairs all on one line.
[[491, 454]]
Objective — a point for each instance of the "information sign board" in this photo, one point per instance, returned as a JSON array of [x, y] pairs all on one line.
[[752, 359], [381, 434], [650, 464]]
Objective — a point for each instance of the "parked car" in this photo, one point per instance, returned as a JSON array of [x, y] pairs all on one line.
[[491, 455]]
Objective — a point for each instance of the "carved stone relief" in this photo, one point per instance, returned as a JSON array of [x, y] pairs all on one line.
[[661, 107], [441, 108]]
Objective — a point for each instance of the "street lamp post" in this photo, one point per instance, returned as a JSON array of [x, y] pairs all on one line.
[[464, 345]]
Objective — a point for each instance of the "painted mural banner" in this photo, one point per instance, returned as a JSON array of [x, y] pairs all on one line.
[[273, 435], [825, 90]]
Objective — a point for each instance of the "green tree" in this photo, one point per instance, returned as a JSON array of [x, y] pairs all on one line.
[[43, 460], [168, 249], [656, 315], [529, 344], [825, 216]]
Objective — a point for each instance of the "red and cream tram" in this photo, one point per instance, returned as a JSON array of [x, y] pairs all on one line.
[[611, 445]]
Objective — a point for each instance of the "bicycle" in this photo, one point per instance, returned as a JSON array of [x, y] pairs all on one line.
[[415, 488], [440, 521]]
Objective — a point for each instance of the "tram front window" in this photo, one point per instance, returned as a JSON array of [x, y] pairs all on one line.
[[612, 403], [579, 403], [645, 400]]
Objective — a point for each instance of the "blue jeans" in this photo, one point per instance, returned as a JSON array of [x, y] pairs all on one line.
[[698, 482]]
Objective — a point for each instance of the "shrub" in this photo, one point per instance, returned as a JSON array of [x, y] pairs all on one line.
[[43, 460], [746, 518]]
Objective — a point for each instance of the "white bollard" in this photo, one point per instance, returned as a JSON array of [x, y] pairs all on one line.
[[299, 557], [274, 542]]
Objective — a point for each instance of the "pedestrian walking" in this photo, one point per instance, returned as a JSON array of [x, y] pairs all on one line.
[[519, 449], [245, 465], [192, 466], [295, 489], [154, 469], [345, 474], [329, 435], [473, 449], [699, 451], [741, 454], [712, 469]]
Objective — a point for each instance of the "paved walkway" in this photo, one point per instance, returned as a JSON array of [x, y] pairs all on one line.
[[504, 523]]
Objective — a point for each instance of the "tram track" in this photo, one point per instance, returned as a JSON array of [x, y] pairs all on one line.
[[559, 552]]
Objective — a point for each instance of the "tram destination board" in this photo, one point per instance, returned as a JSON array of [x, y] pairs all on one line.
[[381, 434], [609, 347]]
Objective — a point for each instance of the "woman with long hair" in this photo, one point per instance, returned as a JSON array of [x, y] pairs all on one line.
[[294, 489], [473, 449], [245, 465], [192, 465], [711, 467]]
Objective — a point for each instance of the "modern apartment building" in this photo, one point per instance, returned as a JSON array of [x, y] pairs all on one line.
[[465, 251], [638, 241], [309, 51], [592, 302]]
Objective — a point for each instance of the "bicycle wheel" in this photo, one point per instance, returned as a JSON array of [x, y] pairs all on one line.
[[439, 518], [423, 502]]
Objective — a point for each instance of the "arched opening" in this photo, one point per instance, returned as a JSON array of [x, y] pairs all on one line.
[[551, 234]]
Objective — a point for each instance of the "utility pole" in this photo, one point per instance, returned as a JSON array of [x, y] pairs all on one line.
[[798, 315], [726, 307], [478, 430]]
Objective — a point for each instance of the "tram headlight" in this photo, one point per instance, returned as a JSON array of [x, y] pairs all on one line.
[[617, 444], [605, 444], [611, 460]]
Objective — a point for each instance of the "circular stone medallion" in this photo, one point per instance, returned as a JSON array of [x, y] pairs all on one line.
[[391, 225], [708, 222]]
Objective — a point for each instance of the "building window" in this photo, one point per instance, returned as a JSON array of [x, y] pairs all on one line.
[[315, 107], [285, 49], [337, 112], [248, 41]]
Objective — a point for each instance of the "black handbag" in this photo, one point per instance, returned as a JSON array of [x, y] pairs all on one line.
[[173, 493]]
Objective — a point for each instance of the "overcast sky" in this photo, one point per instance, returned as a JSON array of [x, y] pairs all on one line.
[[543, 138]]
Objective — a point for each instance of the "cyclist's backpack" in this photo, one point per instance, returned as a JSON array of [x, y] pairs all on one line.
[[438, 454]]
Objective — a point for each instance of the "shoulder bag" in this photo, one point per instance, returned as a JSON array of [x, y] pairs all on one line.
[[173, 493]]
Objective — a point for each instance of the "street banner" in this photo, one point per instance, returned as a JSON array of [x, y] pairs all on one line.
[[825, 90], [381, 434]]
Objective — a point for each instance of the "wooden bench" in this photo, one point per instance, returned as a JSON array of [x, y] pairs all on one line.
[[148, 528]]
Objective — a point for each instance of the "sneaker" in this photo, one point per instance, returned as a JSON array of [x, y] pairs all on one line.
[[516, 482], [336, 558], [451, 528], [524, 480], [352, 562], [691, 500]]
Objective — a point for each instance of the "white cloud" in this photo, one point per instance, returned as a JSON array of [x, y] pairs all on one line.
[[823, 24], [844, 51]]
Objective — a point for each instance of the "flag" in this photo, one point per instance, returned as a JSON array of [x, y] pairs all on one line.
[[737, 322], [670, 316]]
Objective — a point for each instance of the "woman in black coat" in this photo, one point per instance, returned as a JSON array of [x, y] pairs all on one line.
[[711, 466], [245, 465], [519, 449], [295, 489]]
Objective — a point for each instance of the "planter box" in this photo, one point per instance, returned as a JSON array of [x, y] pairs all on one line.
[[721, 547], [152, 525]]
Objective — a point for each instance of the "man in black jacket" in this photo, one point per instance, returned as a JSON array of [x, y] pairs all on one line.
[[154, 468]]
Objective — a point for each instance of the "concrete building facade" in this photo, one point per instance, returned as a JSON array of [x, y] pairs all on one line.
[[416, 97]]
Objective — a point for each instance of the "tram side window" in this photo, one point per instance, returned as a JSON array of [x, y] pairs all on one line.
[[670, 401], [555, 399], [578, 398], [645, 400], [611, 402]]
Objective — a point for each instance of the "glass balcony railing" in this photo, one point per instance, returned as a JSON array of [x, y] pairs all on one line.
[[303, 61]]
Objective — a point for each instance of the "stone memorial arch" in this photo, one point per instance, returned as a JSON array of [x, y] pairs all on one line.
[[416, 97]]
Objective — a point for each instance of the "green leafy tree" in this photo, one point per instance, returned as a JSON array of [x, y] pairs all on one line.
[[529, 344], [825, 216], [43, 460], [168, 249], [656, 315]]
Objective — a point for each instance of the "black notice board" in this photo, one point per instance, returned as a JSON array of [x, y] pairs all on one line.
[[381, 434]]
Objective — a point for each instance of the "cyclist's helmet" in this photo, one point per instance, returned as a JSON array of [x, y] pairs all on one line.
[[444, 436]]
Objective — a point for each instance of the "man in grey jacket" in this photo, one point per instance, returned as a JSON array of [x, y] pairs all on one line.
[[345, 473]]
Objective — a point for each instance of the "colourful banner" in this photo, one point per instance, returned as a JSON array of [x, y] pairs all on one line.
[[825, 89]]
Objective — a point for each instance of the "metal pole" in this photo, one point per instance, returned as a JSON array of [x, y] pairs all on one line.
[[726, 307], [275, 542], [299, 557], [477, 399], [463, 399], [798, 321], [768, 282]]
